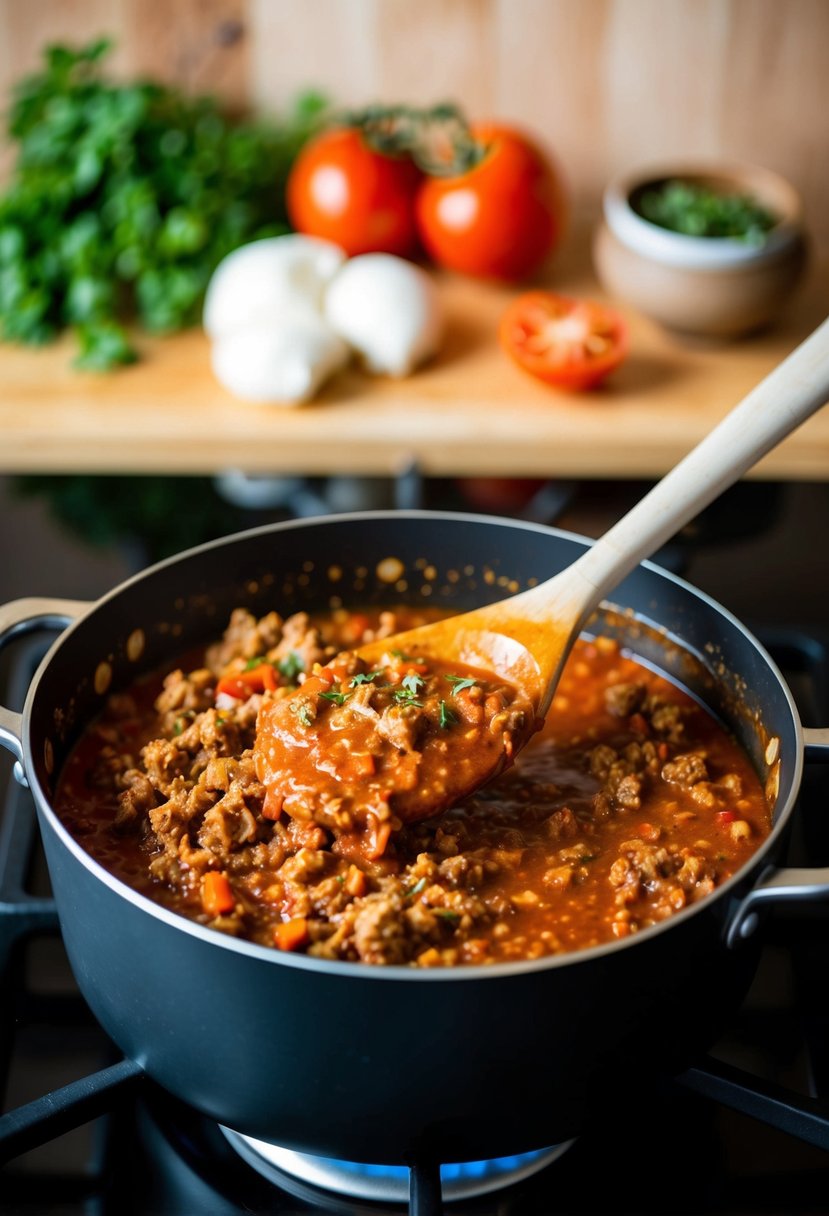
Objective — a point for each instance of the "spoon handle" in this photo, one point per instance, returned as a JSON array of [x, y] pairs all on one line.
[[777, 406]]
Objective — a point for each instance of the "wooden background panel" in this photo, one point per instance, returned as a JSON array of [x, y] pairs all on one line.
[[606, 84]]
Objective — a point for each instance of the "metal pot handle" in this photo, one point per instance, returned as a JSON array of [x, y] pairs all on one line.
[[783, 885], [26, 616]]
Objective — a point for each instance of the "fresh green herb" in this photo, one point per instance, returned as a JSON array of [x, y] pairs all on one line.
[[304, 715], [413, 683], [696, 210], [337, 698], [178, 726], [367, 677], [400, 654], [447, 717], [448, 914], [252, 663], [460, 683], [416, 889], [291, 666], [405, 696], [124, 198]]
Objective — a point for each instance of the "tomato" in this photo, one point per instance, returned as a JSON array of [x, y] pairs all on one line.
[[341, 189], [569, 343], [499, 219]]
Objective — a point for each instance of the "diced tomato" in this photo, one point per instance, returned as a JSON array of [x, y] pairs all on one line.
[[291, 934], [639, 723], [725, 817], [216, 894]]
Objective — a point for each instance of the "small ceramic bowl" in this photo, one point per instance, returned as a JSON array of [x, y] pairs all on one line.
[[717, 286]]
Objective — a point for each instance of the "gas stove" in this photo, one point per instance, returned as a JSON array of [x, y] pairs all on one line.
[[746, 1130]]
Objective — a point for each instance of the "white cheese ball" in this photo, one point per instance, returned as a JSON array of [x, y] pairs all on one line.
[[387, 309], [269, 282], [281, 365]]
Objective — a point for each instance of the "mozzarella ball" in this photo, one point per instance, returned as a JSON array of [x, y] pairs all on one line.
[[387, 310], [268, 282], [282, 365]]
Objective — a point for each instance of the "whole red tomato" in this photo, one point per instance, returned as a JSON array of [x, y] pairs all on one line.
[[499, 219], [341, 189]]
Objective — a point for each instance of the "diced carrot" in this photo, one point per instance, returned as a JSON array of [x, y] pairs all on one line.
[[272, 806], [243, 684], [291, 934], [216, 894], [725, 817], [376, 847], [639, 723], [355, 881], [663, 751]]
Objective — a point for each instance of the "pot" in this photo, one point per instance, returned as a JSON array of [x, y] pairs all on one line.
[[380, 1063]]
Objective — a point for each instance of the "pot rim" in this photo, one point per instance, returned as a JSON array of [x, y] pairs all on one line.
[[398, 972], [704, 253]]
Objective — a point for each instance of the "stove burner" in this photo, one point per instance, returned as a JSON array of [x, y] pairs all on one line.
[[386, 1183]]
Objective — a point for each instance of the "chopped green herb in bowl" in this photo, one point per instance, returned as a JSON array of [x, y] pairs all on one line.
[[700, 210]]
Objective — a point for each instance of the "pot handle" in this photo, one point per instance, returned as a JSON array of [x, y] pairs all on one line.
[[787, 884], [25, 616]]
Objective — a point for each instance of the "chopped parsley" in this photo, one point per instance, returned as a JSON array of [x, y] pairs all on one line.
[[460, 683], [304, 715], [400, 654], [257, 662], [416, 889], [447, 914], [447, 717], [413, 683], [337, 698], [405, 696], [366, 677], [291, 666]]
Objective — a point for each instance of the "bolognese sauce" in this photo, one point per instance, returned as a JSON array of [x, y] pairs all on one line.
[[269, 788]]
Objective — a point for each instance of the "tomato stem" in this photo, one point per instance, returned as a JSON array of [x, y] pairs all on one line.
[[438, 138]]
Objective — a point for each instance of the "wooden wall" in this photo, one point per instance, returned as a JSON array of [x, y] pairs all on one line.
[[608, 84]]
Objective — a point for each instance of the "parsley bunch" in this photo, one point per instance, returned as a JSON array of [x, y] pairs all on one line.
[[124, 199]]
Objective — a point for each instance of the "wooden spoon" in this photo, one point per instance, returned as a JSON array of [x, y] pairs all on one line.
[[525, 639]]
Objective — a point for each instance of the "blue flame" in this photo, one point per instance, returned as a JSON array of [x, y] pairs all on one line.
[[456, 1172]]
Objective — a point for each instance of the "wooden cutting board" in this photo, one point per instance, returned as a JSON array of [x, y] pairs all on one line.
[[468, 412]]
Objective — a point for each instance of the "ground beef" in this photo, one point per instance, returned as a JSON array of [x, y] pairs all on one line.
[[607, 824]]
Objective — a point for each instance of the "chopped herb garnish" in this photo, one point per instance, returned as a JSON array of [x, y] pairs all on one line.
[[366, 677], [179, 726], [291, 666], [417, 888], [338, 698], [304, 715], [257, 662], [405, 696], [413, 682], [460, 683], [448, 717], [447, 914], [400, 654]]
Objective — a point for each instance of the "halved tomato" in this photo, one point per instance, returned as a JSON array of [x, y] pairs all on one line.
[[566, 342]]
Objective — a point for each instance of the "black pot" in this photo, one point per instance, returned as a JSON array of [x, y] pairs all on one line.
[[376, 1063]]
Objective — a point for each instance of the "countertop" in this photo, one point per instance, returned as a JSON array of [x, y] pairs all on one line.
[[470, 411]]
